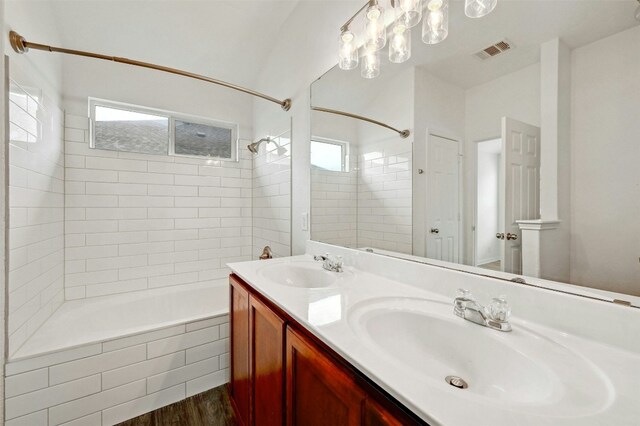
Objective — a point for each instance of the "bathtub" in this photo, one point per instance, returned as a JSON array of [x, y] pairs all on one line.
[[103, 360]]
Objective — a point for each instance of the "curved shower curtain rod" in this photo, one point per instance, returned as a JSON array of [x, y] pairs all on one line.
[[21, 45], [403, 133]]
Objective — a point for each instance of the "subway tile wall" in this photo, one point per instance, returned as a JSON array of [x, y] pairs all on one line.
[[272, 197], [137, 221], [36, 211], [384, 196], [334, 203], [112, 381]]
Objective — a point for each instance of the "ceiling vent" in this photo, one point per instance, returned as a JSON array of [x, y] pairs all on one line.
[[494, 50]]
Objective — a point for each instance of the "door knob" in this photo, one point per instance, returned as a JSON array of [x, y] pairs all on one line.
[[511, 236], [434, 230], [500, 236]]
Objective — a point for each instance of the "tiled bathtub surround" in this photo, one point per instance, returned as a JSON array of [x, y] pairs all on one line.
[[136, 221], [108, 382], [272, 197], [334, 204], [384, 196], [36, 215]]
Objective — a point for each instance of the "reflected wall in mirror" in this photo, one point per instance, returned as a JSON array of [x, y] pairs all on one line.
[[522, 162]]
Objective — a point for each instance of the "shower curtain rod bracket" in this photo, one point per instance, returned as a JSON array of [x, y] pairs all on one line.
[[21, 45]]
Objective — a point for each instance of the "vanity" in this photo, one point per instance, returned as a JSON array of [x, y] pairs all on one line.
[[379, 343]]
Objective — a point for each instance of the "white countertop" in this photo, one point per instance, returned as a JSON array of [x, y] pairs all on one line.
[[327, 313]]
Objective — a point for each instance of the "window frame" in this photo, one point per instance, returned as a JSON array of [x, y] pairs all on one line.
[[345, 151], [171, 117]]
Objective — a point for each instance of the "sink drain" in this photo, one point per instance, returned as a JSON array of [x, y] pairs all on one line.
[[456, 382]]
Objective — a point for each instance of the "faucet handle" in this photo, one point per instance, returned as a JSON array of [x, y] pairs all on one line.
[[499, 310], [465, 294]]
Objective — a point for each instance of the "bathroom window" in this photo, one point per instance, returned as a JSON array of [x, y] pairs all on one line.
[[330, 155], [204, 139], [130, 128]]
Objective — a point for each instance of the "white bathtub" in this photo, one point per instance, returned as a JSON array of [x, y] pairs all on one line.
[[103, 360], [80, 322]]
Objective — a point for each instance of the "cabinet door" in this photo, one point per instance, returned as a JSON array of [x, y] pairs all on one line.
[[266, 334], [376, 415], [319, 392], [240, 383]]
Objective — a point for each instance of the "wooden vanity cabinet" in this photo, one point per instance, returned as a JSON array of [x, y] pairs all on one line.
[[318, 391], [266, 364], [239, 385], [282, 374]]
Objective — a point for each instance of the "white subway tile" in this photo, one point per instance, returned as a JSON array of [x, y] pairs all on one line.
[[95, 364], [39, 418], [142, 338], [181, 374], [207, 382], [142, 370], [182, 341], [136, 407], [96, 402], [96, 290], [26, 382], [28, 364], [50, 396], [207, 350], [209, 322], [115, 164], [148, 178], [94, 419]]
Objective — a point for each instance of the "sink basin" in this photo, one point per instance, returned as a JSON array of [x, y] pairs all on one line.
[[520, 370], [301, 274]]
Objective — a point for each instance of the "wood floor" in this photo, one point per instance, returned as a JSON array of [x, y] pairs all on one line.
[[494, 266], [211, 408]]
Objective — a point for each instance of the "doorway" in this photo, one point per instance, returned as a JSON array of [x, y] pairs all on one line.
[[442, 219], [488, 204]]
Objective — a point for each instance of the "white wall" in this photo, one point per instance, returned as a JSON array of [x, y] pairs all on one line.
[[605, 189], [488, 246], [36, 159]]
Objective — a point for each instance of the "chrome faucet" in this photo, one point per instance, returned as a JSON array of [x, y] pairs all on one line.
[[330, 262], [496, 317]]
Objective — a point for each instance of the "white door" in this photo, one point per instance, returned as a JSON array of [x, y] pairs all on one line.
[[442, 218], [519, 187]]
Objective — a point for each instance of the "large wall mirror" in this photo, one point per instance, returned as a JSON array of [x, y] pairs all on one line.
[[523, 158]]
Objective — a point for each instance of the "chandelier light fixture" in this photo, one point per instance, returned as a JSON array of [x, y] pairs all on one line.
[[405, 14], [479, 8], [435, 27]]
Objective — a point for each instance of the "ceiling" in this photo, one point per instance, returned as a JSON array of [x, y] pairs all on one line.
[[524, 23], [228, 40]]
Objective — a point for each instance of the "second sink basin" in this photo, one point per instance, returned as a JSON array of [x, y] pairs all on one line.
[[522, 369], [301, 274]]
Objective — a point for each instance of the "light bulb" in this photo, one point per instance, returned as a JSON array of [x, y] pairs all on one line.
[[479, 8], [409, 12], [374, 29], [348, 51], [435, 26], [400, 44], [370, 67]]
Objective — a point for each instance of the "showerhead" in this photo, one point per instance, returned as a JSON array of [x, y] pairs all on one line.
[[255, 146]]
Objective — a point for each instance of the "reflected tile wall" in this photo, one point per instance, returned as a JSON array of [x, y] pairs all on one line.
[[385, 196], [334, 204]]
